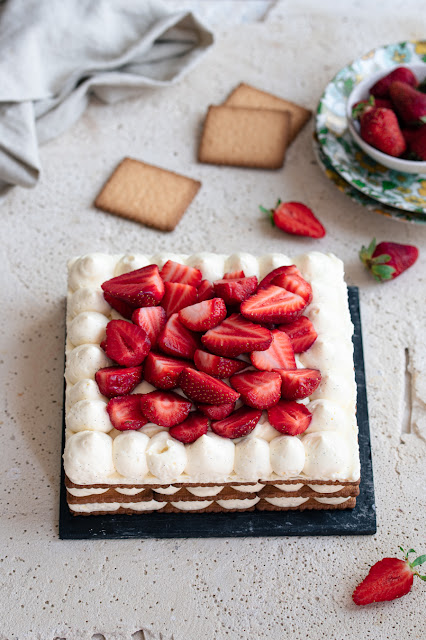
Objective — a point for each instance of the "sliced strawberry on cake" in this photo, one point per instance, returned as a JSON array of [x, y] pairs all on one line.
[[125, 412], [236, 335], [217, 366], [290, 418], [203, 315], [175, 272], [273, 304], [258, 389], [177, 296], [191, 429], [216, 411], [118, 381], [177, 340], [163, 371], [205, 291], [201, 387], [299, 383], [124, 308], [126, 343], [139, 288], [165, 408], [287, 269], [295, 283], [301, 333], [234, 275], [235, 290], [238, 424], [152, 320], [279, 355]]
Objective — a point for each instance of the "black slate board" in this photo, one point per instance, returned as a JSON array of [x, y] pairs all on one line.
[[358, 521]]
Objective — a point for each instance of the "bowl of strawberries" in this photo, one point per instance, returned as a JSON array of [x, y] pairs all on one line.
[[387, 117]]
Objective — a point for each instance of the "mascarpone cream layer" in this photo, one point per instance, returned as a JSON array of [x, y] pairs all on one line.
[[96, 453]]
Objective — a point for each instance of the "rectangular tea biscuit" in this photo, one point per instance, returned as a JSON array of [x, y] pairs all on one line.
[[244, 137], [148, 194], [251, 98]]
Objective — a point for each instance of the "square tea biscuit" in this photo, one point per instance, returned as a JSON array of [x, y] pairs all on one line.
[[150, 195], [244, 137], [251, 98]]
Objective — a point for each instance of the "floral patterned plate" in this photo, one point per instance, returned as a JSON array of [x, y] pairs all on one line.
[[398, 190], [361, 198]]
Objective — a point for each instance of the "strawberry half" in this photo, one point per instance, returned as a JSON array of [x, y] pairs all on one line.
[[177, 340], [290, 418], [273, 304], [203, 315], [238, 424], [201, 387], [233, 291], [258, 389], [176, 272], [234, 275], [235, 336], [216, 411], [295, 218], [191, 429], [217, 366], [125, 412], [163, 371], [388, 579], [126, 343], [152, 320], [279, 355], [139, 288], [118, 381], [177, 296], [123, 308], [286, 269], [165, 408], [294, 283], [388, 260], [299, 383], [205, 291], [301, 333]]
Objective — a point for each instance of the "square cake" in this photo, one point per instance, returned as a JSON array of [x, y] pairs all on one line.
[[209, 383]]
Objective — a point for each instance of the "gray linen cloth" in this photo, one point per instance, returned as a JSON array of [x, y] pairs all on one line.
[[55, 53]]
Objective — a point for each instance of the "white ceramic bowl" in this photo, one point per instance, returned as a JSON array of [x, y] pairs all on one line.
[[361, 92]]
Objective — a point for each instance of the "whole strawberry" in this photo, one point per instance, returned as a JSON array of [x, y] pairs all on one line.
[[295, 218], [417, 144], [388, 579], [400, 74], [409, 103], [387, 260], [380, 128]]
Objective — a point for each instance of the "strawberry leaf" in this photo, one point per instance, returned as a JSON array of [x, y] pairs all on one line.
[[382, 259], [423, 119], [382, 272], [418, 560]]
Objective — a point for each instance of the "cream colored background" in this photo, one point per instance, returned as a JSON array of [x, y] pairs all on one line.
[[269, 588]]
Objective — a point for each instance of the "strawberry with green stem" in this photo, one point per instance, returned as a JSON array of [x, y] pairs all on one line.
[[388, 579], [387, 260], [295, 218]]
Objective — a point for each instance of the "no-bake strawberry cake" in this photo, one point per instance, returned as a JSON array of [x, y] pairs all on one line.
[[209, 383]]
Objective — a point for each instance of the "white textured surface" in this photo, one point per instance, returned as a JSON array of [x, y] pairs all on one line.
[[237, 588]]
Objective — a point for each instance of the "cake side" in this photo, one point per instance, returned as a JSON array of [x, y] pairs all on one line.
[[97, 454]]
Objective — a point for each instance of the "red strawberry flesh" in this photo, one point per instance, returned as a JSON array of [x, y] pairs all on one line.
[[286, 269], [235, 336], [139, 288], [299, 383], [123, 308], [201, 387], [175, 272], [294, 283], [388, 579], [126, 343], [296, 218], [205, 291], [177, 340], [217, 366], [280, 354], [152, 320], [216, 411], [191, 429], [177, 296], [301, 333], [165, 408], [238, 424], [163, 371], [258, 389], [290, 418], [118, 381], [273, 304], [233, 291], [203, 315], [125, 412]]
